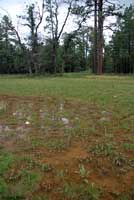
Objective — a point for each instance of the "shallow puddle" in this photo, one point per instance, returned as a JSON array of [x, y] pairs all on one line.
[[24, 116]]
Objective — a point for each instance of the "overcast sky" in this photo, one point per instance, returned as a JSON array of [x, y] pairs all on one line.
[[16, 7]]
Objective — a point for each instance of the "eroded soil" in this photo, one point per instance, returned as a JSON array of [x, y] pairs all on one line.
[[54, 148]]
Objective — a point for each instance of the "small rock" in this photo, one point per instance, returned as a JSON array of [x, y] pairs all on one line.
[[106, 113], [65, 120], [103, 112], [77, 118], [14, 114], [104, 119], [27, 123]]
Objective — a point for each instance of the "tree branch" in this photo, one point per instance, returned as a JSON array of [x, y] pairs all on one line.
[[40, 16], [65, 21]]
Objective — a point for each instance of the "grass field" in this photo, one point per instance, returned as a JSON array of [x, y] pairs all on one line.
[[67, 138]]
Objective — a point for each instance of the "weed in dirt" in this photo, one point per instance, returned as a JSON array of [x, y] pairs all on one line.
[[81, 191], [30, 162], [124, 197], [86, 160], [84, 132], [128, 146], [83, 127], [93, 192], [45, 167], [119, 160], [69, 191], [29, 178], [12, 176], [36, 142], [82, 171], [60, 173], [102, 149], [57, 144], [68, 132]]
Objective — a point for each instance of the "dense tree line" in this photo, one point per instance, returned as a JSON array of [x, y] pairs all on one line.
[[120, 50], [55, 51]]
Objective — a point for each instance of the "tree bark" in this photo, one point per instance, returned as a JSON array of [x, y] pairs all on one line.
[[100, 37], [95, 37]]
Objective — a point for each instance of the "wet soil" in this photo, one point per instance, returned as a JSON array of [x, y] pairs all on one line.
[[57, 136]]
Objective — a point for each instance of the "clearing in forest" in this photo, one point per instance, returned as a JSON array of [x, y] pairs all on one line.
[[61, 148]]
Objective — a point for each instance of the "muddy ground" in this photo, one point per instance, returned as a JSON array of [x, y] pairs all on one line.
[[60, 149]]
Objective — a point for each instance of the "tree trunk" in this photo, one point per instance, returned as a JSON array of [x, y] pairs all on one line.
[[36, 63], [30, 70], [100, 37], [95, 37], [54, 55]]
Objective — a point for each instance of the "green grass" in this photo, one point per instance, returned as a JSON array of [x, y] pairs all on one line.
[[109, 91], [6, 159], [127, 146]]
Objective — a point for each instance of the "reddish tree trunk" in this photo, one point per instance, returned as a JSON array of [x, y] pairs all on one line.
[[95, 36], [100, 37]]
